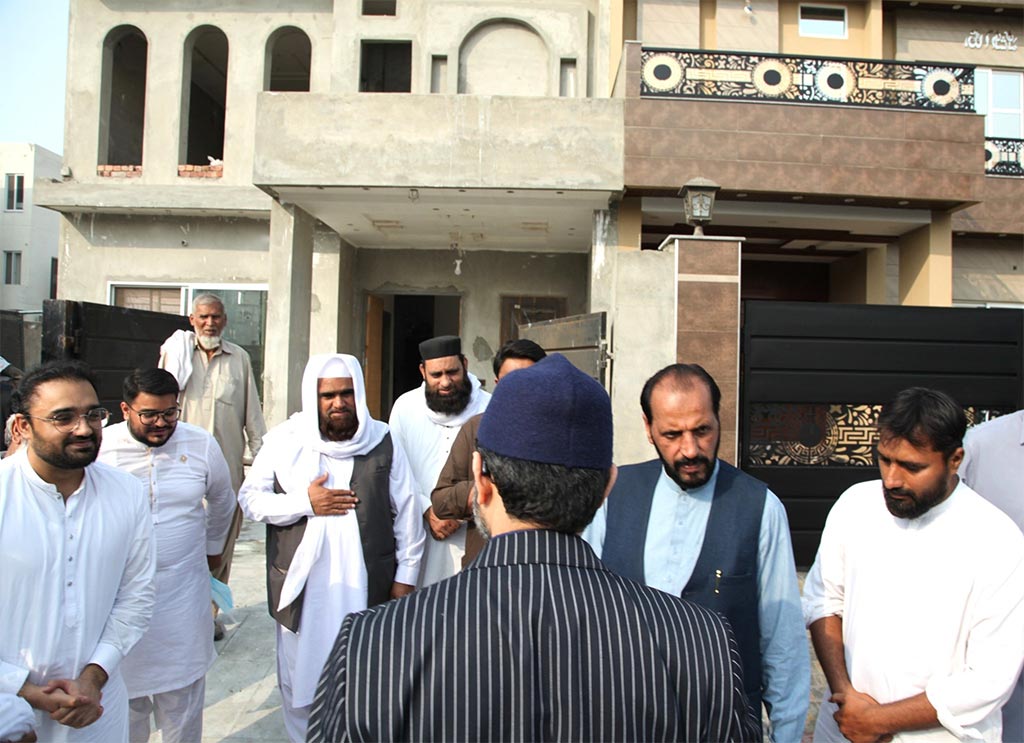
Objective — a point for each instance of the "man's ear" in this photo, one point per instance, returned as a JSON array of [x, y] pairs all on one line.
[[613, 475], [423, 371], [956, 459], [647, 428], [124, 410], [484, 485], [21, 425]]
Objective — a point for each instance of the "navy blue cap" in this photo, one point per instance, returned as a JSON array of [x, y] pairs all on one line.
[[551, 413]]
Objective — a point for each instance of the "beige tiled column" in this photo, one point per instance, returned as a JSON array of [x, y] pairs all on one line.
[[708, 325]]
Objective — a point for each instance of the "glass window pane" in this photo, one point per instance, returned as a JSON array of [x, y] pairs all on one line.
[[1006, 90], [822, 21], [981, 86], [1003, 125]]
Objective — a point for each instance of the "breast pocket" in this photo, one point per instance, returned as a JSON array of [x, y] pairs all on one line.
[[226, 390]]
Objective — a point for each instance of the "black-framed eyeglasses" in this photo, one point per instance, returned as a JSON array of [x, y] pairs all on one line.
[[148, 417], [67, 422]]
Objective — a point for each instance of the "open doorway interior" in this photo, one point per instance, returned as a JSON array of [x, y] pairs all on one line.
[[395, 326]]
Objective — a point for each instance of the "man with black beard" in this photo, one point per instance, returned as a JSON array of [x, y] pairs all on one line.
[[76, 544], [915, 602], [426, 422], [694, 526], [188, 486], [344, 527]]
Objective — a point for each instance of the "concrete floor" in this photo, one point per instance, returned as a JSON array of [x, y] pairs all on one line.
[[242, 701]]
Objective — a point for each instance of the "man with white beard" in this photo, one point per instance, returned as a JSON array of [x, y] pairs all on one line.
[[324, 562], [180, 466], [426, 421], [218, 393]]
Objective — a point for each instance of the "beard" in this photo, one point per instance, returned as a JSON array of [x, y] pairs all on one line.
[[208, 342], [478, 519], [904, 503], [452, 403], [339, 429], [689, 481], [61, 458]]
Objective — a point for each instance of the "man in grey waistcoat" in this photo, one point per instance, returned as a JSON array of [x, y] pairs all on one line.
[[343, 528], [691, 525]]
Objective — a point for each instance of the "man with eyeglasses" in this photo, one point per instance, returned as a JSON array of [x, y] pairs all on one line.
[[76, 545], [180, 466]]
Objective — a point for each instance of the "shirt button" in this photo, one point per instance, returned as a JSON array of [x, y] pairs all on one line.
[[69, 584], [71, 559]]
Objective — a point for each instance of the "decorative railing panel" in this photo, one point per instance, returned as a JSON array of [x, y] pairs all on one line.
[[1003, 156], [675, 73]]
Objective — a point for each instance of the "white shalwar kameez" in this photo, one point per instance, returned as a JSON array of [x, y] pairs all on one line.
[[76, 586], [933, 604], [427, 437], [329, 562], [177, 649]]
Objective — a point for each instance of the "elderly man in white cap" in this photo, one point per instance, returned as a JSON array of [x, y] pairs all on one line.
[[425, 421], [344, 528]]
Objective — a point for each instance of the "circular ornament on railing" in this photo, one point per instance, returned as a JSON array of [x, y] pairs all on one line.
[[941, 87], [992, 155], [772, 77], [662, 72], [835, 81]]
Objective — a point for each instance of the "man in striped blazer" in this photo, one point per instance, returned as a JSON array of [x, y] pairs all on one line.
[[536, 640]]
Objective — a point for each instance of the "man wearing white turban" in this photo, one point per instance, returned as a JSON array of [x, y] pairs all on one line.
[[324, 562]]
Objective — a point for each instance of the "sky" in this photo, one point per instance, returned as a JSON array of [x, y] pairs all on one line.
[[33, 56]]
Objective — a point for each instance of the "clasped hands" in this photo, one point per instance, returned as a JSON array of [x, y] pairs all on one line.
[[853, 717], [71, 702]]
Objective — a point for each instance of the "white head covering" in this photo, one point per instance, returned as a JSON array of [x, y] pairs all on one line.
[[370, 431]]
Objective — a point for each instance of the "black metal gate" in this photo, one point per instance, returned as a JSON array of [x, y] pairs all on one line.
[[815, 376], [112, 340]]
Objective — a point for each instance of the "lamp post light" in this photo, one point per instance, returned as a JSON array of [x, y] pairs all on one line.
[[699, 202]]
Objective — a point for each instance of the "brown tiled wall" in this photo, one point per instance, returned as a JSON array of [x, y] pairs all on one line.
[[805, 149], [1000, 209], [708, 322]]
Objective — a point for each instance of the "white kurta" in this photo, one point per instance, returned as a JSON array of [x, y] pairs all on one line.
[[177, 649], [933, 604], [76, 585], [337, 582], [427, 439]]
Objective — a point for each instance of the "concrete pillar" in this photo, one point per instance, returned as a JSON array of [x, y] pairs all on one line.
[[332, 305], [643, 334], [926, 264], [288, 309], [859, 279], [708, 321]]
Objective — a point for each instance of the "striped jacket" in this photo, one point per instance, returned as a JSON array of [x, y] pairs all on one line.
[[535, 641]]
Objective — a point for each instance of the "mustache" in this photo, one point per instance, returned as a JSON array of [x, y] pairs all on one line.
[[688, 461], [899, 492]]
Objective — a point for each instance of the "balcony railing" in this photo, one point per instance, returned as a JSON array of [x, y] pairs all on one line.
[[1003, 156], [679, 73]]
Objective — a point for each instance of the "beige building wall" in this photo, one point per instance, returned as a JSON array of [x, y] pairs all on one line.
[[988, 270], [943, 37], [486, 275], [97, 250], [740, 30], [670, 23], [864, 31], [926, 264]]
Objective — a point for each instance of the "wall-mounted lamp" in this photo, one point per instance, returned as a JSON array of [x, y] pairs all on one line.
[[699, 202]]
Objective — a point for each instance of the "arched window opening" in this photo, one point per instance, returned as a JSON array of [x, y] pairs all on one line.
[[204, 96], [123, 99], [504, 57], [288, 61]]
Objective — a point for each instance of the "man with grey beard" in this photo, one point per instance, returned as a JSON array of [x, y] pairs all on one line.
[[426, 421], [218, 393]]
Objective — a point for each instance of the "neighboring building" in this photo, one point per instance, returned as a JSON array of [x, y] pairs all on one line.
[[28, 234], [361, 171]]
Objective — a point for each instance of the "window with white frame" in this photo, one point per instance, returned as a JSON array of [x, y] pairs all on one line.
[[12, 266], [823, 21], [999, 97], [15, 190]]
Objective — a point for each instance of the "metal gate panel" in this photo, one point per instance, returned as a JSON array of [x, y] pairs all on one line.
[[814, 376], [580, 338], [111, 340]]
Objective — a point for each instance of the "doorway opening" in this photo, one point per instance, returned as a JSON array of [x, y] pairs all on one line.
[[395, 326]]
